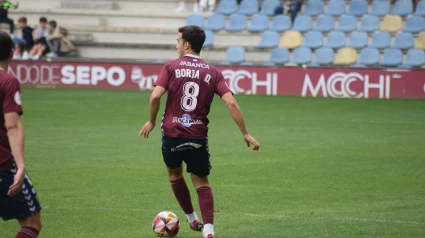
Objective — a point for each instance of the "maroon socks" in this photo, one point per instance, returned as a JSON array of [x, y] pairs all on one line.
[[27, 232], [182, 194], [206, 203]]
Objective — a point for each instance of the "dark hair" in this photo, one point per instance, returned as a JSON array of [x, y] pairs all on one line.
[[6, 45], [43, 20], [53, 23], [22, 20], [195, 35], [21, 46]]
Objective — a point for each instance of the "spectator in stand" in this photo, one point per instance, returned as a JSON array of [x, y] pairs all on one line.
[[182, 6], [58, 41], [20, 52], [4, 10], [42, 31], [203, 5], [293, 6], [26, 36]]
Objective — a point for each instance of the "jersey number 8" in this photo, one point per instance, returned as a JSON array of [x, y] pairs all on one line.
[[190, 94]]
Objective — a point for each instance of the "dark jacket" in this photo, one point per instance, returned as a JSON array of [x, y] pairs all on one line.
[[27, 36]]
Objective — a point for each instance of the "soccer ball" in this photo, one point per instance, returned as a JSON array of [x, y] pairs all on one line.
[[166, 224]]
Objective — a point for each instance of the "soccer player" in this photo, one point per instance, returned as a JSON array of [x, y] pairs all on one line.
[[191, 84], [18, 198]]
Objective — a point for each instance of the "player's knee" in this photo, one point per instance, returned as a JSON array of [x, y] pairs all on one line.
[[200, 181], [33, 222]]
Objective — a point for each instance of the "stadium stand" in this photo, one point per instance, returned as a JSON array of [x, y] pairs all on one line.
[[313, 39], [248, 7], [234, 55], [325, 23], [335, 7], [402, 8], [314, 7], [227, 7], [358, 8], [303, 23], [391, 58], [414, 58], [195, 19], [368, 57], [216, 22], [301, 55], [291, 40], [281, 23], [358, 40], [345, 57], [146, 29], [323, 56], [380, 40], [347, 23], [380, 8], [269, 39], [369, 23], [279, 56], [414, 24], [336, 39], [259, 23], [268, 7], [237, 23], [209, 38]]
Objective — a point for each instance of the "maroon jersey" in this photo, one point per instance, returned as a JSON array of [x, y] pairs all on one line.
[[10, 99], [191, 84]]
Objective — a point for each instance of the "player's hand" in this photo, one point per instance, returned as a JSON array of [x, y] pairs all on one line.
[[251, 141], [146, 129], [18, 181]]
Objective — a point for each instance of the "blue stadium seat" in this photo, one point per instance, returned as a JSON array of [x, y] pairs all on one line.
[[235, 55], [301, 55], [281, 23], [380, 40], [402, 8], [368, 57], [269, 39], [303, 23], [216, 22], [391, 58], [279, 56], [259, 23], [313, 7], [358, 8], [403, 41], [237, 23], [414, 24], [414, 58], [209, 38], [358, 40], [369, 23], [347, 23], [313, 39], [420, 9], [336, 40], [268, 7], [324, 23], [324, 56], [248, 7], [380, 8], [335, 7], [227, 7], [195, 19]]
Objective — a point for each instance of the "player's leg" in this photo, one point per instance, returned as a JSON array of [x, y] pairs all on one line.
[[174, 161], [30, 226], [198, 164], [206, 202]]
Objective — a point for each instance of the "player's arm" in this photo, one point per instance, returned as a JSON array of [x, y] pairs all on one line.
[[237, 116], [15, 133], [154, 104]]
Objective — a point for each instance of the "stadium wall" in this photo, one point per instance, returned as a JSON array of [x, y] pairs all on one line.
[[289, 81]]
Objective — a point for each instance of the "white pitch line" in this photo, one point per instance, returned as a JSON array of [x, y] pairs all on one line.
[[251, 215]]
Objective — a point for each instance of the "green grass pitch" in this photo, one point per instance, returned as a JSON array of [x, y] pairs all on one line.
[[326, 167]]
